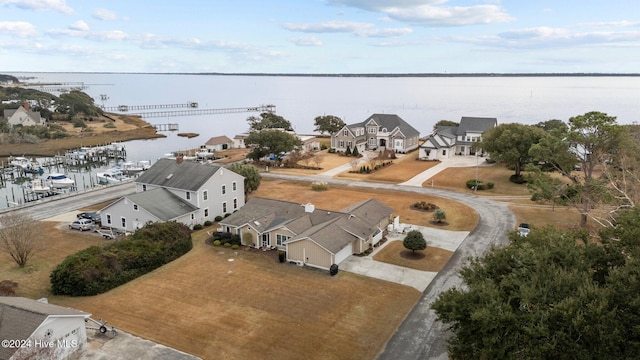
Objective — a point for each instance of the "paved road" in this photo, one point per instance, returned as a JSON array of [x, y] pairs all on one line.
[[50, 207], [421, 336]]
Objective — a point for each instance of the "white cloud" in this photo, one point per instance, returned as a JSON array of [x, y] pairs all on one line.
[[104, 14], [622, 23], [431, 12], [306, 41], [330, 27], [40, 5], [18, 28], [79, 26]]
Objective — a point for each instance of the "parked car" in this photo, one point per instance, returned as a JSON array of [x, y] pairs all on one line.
[[82, 224], [523, 229], [91, 215]]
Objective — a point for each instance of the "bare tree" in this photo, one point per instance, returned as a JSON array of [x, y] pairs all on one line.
[[19, 237], [317, 160]]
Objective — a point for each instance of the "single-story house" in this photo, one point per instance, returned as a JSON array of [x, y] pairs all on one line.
[[172, 189], [310, 236], [54, 332], [448, 141], [309, 143], [24, 116], [218, 143], [238, 141], [378, 132]]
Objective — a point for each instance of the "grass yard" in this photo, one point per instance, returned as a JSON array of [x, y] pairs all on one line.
[[253, 307], [459, 216], [403, 168], [326, 162], [430, 259]]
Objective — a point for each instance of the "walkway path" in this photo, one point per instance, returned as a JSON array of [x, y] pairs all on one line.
[[457, 161]]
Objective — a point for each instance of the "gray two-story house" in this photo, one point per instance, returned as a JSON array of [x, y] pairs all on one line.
[[378, 132], [174, 190], [449, 141]]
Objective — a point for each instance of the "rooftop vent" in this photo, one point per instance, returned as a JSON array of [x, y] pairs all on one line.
[[169, 176], [309, 208]]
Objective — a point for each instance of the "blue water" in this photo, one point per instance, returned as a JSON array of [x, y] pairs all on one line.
[[422, 101]]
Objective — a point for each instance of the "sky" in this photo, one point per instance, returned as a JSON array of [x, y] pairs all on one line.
[[320, 36]]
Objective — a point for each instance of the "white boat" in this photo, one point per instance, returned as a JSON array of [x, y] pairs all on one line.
[[40, 187], [111, 176], [59, 181], [24, 163], [204, 154], [130, 168]]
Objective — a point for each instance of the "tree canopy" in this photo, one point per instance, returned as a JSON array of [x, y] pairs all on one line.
[[444, 123], [511, 143], [414, 241], [551, 295], [267, 142], [328, 124], [269, 120]]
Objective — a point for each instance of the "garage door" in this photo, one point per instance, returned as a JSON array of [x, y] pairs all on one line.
[[343, 254]]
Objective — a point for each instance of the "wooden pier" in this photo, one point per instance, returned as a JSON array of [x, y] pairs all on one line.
[[166, 127], [127, 108], [157, 114]]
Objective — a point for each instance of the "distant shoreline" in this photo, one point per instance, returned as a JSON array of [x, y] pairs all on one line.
[[350, 74]]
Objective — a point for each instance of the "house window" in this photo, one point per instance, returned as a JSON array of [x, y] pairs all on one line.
[[345, 132], [135, 207], [188, 195], [372, 141], [205, 195], [234, 186], [224, 189], [123, 222], [224, 207], [108, 218], [144, 187], [372, 130], [444, 152], [281, 239], [350, 144], [341, 144], [192, 216], [206, 212], [235, 204]]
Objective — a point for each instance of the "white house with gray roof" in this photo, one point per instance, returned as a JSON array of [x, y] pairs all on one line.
[[377, 132], [449, 141], [310, 236], [46, 331], [24, 116], [174, 190]]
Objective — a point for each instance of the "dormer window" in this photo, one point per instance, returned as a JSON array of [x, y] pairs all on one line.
[[345, 132]]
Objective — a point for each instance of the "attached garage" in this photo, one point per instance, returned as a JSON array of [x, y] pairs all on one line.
[[313, 254]]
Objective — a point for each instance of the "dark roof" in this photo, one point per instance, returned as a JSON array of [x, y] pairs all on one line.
[[20, 317], [185, 175], [476, 124], [162, 203], [390, 122]]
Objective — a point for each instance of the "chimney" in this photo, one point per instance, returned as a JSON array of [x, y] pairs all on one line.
[[25, 105], [309, 207], [179, 159]]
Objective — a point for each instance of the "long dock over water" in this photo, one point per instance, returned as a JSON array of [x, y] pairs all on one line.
[[170, 113]]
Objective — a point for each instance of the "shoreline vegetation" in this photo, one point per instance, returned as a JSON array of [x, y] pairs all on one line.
[[127, 128], [358, 74]]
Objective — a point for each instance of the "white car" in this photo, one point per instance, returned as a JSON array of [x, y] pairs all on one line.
[[82, 224], [523, 229]]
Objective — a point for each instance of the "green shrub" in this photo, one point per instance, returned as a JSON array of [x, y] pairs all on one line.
[[332, 151], [227, 214], [235, 246], [481, 185], [218, 218], [216, 243], [348, 151], [517, 179], [282, 256], [197, 227], [110, 125], [227, 244], [98, 269], [319, 186], [208, 223]]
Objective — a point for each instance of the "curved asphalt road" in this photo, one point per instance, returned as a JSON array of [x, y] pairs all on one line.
[[421, 336]]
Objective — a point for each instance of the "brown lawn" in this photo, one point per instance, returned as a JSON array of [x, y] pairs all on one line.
[[402, 169], [430, 259], [326, 161], [459, 216], [253, 307]]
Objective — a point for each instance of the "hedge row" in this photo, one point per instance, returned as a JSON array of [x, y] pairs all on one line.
[[98, 269]]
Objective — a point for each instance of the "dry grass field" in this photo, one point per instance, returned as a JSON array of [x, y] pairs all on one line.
[[326, 162], [460, 217], [430, 259], [403, 168]]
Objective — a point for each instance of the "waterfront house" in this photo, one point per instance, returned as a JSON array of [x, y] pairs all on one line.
[[176, 190], [449, 141], [54, 332], [377, 132], [23, 116], [309, 236], [218, 143]]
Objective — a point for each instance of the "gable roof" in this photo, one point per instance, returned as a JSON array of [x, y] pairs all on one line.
[[162, 203], [185, 175], [332, 230], [476, 124], [21, 317], [218, 140], [392, 121]]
